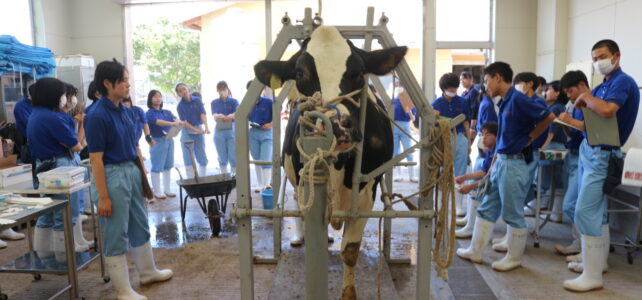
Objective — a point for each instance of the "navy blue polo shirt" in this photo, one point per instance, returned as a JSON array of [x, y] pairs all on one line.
[[226, 107], [576, 136], [488, 159], [472, 96], [140, 119], [191, 111], [540, 140], [622, 90], [21, 113], [486, 112], [558, 133], [48, 131], [110, 129], [456, 106], [518, 116], [262, 113], [153, 115], [400, 113]]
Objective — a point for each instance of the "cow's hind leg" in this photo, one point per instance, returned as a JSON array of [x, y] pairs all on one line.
[[352, 233]]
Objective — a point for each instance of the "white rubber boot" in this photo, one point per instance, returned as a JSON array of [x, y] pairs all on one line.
[[118, 271], [593, 255], [259, 178], [397, 174], [143, 257], [411, 174], [501, 245], [574, 248], [467, 231], [156, 186], [459, 201], [461, 221], [222, 169], [167, 180], [3, 244], [189, 172], [43, 239], [59, 243], [202, 171], [516, 246], [481, 235], [9, 234], [578, 266], [297, 238], [79, 236], [232, 170], [267, 177]]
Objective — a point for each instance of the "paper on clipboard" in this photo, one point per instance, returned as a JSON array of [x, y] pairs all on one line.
[[566, 124], [600, 130], [173, 132], [405, 100]]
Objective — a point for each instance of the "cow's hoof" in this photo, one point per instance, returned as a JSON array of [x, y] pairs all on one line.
[[336, 223], [349, 293]]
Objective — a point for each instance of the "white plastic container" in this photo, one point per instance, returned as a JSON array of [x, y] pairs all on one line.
[[15, 175], [62, 177]]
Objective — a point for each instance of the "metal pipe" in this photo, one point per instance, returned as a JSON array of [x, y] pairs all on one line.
[[243, 213]]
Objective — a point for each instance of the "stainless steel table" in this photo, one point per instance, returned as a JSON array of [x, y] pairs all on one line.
[[46, 263]]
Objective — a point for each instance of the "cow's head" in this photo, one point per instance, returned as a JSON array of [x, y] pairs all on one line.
[[331, 65]]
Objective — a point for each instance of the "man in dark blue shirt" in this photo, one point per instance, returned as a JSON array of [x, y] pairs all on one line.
[[521, 121], [618, 96]]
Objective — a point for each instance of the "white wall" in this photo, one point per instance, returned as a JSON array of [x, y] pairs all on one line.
[[592, 20], [516, 34], [552, 37], [92, 27]]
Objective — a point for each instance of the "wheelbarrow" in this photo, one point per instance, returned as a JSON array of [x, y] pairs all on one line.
[[217, 186]]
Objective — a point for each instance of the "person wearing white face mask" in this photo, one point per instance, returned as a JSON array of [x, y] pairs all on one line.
[[450, 105], [618, 96]]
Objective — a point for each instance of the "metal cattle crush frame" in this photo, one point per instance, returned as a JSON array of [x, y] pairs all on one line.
[[316, 282]]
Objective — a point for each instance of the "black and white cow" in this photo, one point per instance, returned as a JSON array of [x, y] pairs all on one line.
[[330, 64]]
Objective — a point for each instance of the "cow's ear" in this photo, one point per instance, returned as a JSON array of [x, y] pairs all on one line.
[[382, 62], [274, 73]]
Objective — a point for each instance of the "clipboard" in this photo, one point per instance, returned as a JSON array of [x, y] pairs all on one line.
[[566, 124], [600, 130], [173, 132]]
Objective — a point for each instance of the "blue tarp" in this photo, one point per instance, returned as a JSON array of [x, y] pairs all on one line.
[[18, 57]]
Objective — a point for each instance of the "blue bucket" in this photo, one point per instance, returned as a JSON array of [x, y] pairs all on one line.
[[268, 202]]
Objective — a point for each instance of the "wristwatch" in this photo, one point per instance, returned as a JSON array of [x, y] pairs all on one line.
[[148, 138]]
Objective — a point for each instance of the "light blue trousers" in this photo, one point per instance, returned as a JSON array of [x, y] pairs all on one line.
[[572, 186], [162, 155], [547, 171], [55, 219], [399, 137], [461, 153], [477, 167], [127, 225], [590, 211], [261, 145], [199, 148], [509, 180], [224, 142]]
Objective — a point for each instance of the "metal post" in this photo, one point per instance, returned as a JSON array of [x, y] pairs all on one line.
[[70, 250], [316, 225]]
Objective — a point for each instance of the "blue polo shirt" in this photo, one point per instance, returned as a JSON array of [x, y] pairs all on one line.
[[400, 113], [156, 130], [48, 131], [21, 113], [456, 106], [622, 90], [139, 119], [110, 129], [576, 136], [540, 140], [486, 112], [518, 116], [226, 107], [191, 111], [558, 133], [262, 113], [488, 159], [472, 96]]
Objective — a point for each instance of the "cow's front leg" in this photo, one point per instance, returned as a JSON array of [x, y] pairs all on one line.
[[352, 233]]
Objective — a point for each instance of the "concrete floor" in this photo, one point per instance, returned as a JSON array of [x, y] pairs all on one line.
[[207, 268]]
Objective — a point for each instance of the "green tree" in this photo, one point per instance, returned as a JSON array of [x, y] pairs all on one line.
[[170, 53]]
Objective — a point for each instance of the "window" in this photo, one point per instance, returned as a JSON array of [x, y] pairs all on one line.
[[15, 20]]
